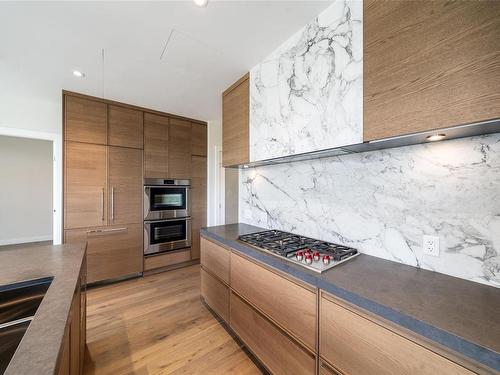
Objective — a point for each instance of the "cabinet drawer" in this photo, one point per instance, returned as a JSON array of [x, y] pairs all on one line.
[[279, 353], [112, 252], [296, 307], [216, 294], [215, 258], [357, 345]]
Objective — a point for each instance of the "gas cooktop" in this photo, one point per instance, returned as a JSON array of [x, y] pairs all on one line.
[[314, 254]]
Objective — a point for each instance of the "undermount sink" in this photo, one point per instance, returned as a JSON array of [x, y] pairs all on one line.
[[18, 305]]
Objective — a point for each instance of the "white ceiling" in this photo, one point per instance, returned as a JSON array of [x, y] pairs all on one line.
[[209, 48]]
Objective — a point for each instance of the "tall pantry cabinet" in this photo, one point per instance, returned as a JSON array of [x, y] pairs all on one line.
[[103, 185]]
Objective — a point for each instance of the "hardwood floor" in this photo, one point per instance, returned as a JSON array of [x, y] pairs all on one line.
[[158, 325]]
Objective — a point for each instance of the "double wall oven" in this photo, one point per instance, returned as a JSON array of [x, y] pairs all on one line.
[[167, 215]]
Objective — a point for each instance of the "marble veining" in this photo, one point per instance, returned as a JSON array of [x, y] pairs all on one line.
[[383, 202], [307, 95]]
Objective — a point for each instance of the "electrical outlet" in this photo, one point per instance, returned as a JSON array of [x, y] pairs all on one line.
[[431, 245]]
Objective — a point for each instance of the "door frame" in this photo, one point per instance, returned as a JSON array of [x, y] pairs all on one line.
[[57, 184]]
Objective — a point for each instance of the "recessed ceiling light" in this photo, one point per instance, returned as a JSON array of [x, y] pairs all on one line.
[[245, 166], [201, 3], [436, 137], [78, 74]]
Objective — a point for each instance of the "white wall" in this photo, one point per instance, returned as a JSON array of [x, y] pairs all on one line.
[[25, 190], [215, 175]]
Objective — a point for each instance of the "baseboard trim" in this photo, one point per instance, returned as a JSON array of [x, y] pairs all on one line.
[[16, 241]]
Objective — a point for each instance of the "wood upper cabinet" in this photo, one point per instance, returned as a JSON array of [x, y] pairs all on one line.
[[235, 123], [179, 149], [198, 201], [85, 120], [155, 146], [125, 185], [85, 185], [198, 139], [357, 345], [429, 65], [112, 251], [125, 127]]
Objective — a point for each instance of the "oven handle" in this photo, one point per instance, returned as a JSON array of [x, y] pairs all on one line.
[[187, 187], [187, 218]]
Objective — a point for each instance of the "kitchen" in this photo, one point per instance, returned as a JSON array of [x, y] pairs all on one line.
[[324, 201]]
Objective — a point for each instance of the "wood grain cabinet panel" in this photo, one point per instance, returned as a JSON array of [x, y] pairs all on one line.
[[278, 353], [85, 120], [125, 185], [198, 139], [125, 127], [326, 369], [290, 305], [155, 146], [429, 65], [216, 259], [179, 149], [235, 123], [112, 251], [198, 201], [85, 185], [215, 294], [357, 345], [167, 259]]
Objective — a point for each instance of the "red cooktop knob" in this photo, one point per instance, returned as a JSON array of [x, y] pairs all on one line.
[[308, 251], [308, 258], [316, 256], [299, 255], [326, 259]]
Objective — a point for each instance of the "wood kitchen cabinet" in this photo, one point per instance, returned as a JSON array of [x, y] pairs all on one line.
[[296, 311], [112, 251], [71, 358], [125, 127], [155, 146], [198, 201], [216, 259], [85, 120], [356, 345], [85, 185], [235, 123], [277, 351], [198, 139], [125, 186], [179, 149], [216, 294], [429, 65]]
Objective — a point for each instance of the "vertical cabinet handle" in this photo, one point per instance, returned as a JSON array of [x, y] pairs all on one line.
[[113, 203], [102, 204]]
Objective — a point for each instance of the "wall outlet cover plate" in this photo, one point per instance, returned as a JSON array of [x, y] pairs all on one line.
[[431, 245]]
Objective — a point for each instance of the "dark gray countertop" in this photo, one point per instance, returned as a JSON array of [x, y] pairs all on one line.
[[459, 314], [39, 349]]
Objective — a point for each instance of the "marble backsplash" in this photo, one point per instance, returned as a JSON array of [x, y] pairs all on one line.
[[308, 94], [383, 202]]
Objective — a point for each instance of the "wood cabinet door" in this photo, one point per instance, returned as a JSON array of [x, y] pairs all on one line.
[[125, 127], [112, 251], [235, 123], [296, 310], [85, 120], [198, 139], [278, 352], [155, 146], [215, 294], [198, 201], [125, 185], [85, 200], [179, 149], [216, 259], [429, 65], [359, 346]]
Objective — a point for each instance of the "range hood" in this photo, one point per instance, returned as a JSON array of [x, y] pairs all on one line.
[[455, 132]]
